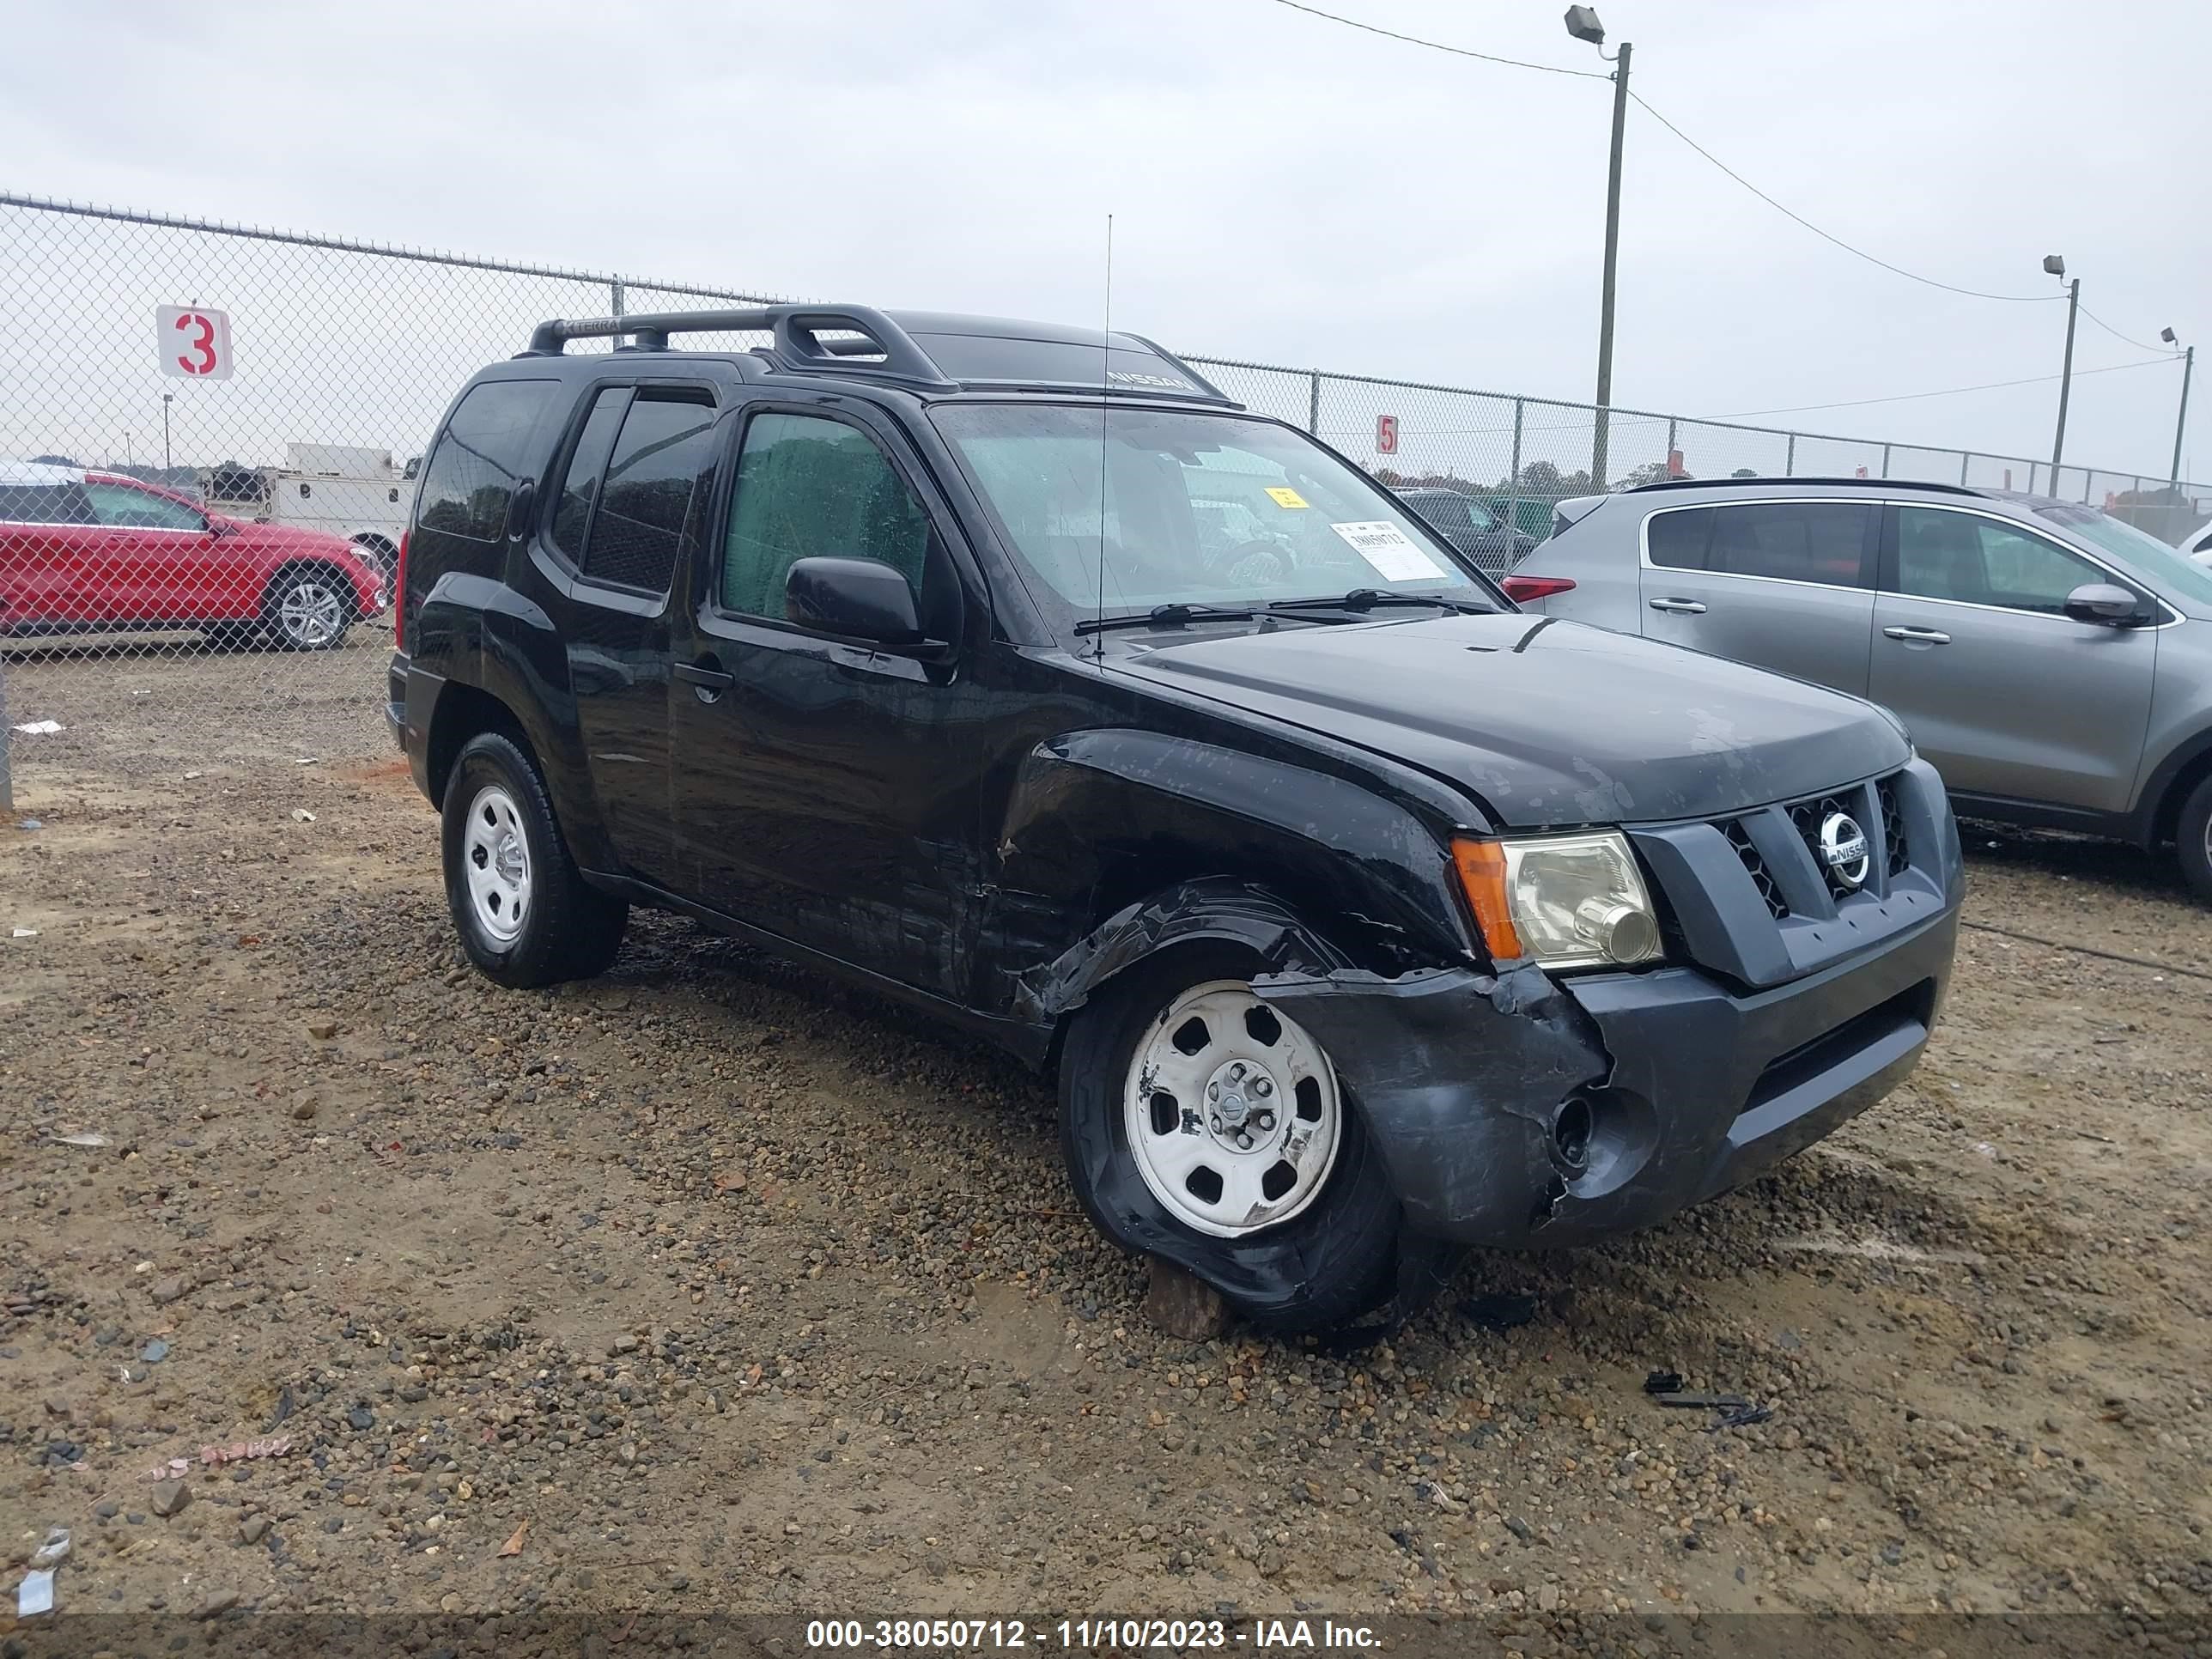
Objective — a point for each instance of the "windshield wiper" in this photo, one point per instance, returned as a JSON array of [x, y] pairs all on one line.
[[1164, 615], [1367, 599]]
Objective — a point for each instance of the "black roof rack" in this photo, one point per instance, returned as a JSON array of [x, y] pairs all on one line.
[[795, 331], [1769, 483], [860, 340]]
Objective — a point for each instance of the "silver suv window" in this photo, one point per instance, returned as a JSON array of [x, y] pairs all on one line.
[[1823, 541], [1943, 554]]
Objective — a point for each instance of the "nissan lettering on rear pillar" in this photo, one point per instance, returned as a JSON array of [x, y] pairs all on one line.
[[1014, 673]]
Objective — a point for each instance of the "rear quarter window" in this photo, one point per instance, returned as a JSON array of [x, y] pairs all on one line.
[[485, 451], [1678, 540]]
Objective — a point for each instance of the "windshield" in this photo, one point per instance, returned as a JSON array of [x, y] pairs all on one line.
[[1189, 509], [2149, 555]]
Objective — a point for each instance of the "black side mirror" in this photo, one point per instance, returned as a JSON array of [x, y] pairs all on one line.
[[858, 598], [521, 509], [2102, 602]]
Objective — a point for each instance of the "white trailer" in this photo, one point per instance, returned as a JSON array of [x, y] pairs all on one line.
[[349, 491]]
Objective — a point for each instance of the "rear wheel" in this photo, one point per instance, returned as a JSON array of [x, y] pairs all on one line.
[[2193, 838], [309, 609], [1203, 1126], [525, 916]]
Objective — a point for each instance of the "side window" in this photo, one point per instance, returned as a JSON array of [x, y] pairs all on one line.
[[1678, 539], [588, 464], [481, 455], [46, 504], [809, 488], [1800, 540], [140, 509], [1445, 512], [657, 468], [1961, 556]]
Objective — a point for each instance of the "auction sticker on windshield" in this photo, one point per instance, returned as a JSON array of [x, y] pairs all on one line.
[[1286, 496], [1396, 557]]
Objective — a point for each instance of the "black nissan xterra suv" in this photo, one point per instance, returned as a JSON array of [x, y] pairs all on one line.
[[1015, 672]]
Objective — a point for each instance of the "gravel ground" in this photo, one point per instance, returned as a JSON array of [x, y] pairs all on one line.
[[708, 1285]]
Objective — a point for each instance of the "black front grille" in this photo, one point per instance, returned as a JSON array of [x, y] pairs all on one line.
[[1892, 827], [1755, 867]]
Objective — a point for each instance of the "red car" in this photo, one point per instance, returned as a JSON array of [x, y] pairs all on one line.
[[84, 550]]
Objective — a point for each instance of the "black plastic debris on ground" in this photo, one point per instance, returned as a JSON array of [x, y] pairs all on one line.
[[1742, 1418], [1501, 1311], [1665, 1389], [1682, 1399]]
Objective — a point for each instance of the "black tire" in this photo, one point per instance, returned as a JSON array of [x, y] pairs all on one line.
[[2192, 834], [309, 608], [1320, 1269], [569, 929]]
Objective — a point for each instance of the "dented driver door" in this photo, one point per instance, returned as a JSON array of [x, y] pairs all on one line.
[[825, 790]]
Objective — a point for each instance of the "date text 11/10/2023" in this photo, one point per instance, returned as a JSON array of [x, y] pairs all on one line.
[[992, 1635]]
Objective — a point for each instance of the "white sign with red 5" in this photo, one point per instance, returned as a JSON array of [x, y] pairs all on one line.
[[192, 342]]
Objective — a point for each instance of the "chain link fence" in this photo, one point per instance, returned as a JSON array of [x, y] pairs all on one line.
[[208, 434], [1518, 455]]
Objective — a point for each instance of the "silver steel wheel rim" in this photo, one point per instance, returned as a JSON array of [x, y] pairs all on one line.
[[310, 614], [1232, 1111], [495, 859]]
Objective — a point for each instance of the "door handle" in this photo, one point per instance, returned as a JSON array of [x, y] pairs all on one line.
[[1680, 607], [705, 681], [1917, 635]]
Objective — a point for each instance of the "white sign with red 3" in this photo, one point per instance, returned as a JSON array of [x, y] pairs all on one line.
[[193, 343]]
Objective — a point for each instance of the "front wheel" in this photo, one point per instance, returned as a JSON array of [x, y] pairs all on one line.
[[309, 609], [2193, 838], [1203, 1126], [526, 916]]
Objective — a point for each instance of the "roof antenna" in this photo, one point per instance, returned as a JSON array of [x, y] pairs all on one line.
[[1105, 360]]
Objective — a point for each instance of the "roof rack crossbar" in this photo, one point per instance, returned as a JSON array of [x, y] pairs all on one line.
[[652, 328]]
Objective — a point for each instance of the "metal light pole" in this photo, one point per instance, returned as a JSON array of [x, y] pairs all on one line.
[[128, 459], [1582, 24], [167, 397], [2180, 421], [2056, 267]]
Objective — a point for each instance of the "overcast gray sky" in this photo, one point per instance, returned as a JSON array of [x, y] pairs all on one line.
[[1284, 188]]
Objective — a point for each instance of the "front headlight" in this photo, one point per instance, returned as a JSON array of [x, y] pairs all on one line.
[[1562, 901]]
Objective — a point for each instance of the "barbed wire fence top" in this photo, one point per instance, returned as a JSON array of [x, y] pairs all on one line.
[[208, 433]]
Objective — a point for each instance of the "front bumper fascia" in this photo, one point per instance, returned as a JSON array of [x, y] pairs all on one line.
[[1686, 1086]]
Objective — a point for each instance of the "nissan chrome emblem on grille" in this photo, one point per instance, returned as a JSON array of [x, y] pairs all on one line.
[[1843, 848]]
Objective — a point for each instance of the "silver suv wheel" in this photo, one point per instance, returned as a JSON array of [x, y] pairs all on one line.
[[497, 865], [1233, 1112]]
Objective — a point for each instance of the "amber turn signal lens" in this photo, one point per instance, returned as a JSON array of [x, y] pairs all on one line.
[[1481, 867]]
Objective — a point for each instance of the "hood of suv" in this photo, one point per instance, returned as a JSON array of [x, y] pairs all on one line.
[[1548, 721]]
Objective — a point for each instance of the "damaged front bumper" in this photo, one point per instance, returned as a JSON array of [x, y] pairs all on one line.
[[1517, 1109]]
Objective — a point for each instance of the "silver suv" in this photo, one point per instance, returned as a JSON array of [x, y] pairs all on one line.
[[2053, 662]]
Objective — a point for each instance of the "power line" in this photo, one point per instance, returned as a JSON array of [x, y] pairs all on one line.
[[2139, 346], [1856, 252], [1788, 213], [1438, 46], [1947, 392]]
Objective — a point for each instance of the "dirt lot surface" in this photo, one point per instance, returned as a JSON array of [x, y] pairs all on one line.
[[708, 1285]]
